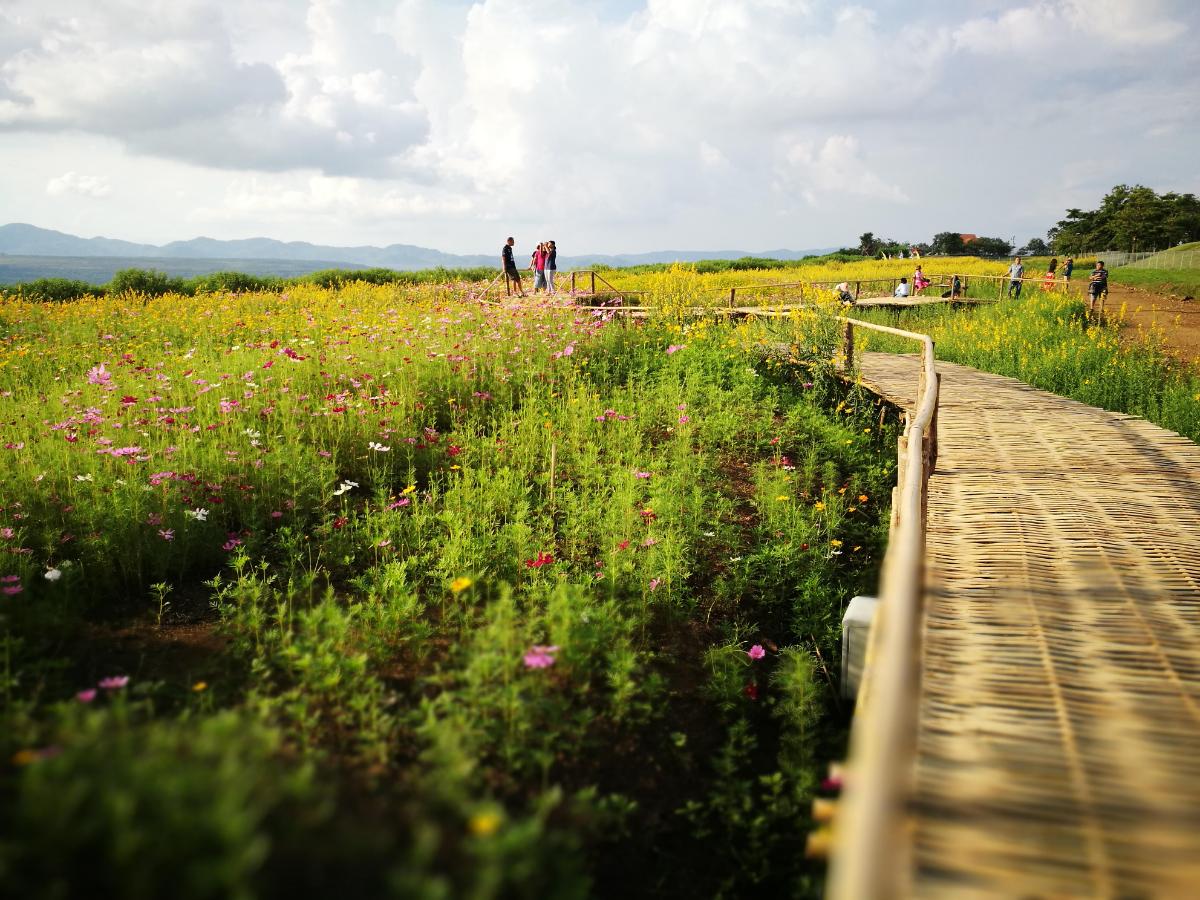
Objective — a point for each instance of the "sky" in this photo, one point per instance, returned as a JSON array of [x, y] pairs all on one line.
[[618, 126]]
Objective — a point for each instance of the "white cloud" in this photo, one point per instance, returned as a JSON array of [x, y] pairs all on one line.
[[835, 168], [614, 116], [327, 198], [95, 186]]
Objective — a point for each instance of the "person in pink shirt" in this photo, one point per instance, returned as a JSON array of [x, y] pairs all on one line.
[[538, 264]]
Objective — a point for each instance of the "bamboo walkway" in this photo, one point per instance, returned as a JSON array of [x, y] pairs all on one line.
[[1058, 741]]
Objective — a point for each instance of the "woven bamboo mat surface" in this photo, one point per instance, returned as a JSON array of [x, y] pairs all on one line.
[[1058, 749]]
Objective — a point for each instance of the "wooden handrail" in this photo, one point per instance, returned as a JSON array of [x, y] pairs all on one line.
[[871, 850]]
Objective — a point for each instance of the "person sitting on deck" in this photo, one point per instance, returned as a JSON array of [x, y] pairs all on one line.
[[843, 293], [902, 288]]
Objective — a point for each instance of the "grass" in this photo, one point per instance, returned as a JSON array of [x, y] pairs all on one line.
[[375, 591], [1167, 281], [1048, 341]]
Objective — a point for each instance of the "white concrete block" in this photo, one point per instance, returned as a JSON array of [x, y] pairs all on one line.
[[856, 627]]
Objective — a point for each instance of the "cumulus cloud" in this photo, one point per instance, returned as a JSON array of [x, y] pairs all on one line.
[[95, 186], [647, 111], [833, 168]]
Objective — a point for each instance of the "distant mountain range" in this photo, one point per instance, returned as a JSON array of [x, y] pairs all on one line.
[[267, 256]]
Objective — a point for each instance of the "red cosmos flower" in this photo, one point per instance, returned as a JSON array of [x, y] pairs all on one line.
[[127, 400], [542, 559], [340, 521], [624, 545], [454, 450], [751, 690]]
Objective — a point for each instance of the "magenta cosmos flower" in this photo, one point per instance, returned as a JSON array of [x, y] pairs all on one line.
[[756, 652], [540, 656]]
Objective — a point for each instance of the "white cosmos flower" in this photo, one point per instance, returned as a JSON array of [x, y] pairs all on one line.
[[378, 448], [52, 575], [345, 486], [199, 514]]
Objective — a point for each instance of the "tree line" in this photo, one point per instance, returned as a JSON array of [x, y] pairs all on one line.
[[1128, 218]]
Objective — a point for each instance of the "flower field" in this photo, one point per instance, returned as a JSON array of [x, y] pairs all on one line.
[[382, 592]]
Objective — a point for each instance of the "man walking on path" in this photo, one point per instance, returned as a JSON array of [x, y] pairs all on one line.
[[510, 268], [1015, 273], [1068, 268]]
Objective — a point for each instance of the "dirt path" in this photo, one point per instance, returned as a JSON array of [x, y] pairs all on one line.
[[1179, 319]]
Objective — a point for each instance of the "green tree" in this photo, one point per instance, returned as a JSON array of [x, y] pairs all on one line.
[[868, 244], [1036, 247], [1129, 218], [947, 243], [990, 246]]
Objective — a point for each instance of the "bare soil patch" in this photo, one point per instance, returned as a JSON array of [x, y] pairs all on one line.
[[1176, 317]]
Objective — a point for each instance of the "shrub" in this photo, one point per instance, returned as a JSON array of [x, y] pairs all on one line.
[[148, 282]]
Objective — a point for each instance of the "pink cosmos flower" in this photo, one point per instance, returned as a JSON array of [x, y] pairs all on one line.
[[683, 420], [675, 348], [167, 534], [540, 656], [654, 583], [86, 696], [113, 682], [11, 590], [99, 375], [756, 652]]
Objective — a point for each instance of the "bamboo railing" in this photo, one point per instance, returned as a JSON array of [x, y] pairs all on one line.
[[870, 852]]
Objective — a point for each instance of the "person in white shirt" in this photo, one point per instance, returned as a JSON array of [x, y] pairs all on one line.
[[902, 288]]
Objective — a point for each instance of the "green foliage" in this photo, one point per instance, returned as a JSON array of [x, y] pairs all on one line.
[[109, 812], [145, 282], [1129, 218], [947, 243], [232, 282], [1177, 281], [473, 608], [56, 289]]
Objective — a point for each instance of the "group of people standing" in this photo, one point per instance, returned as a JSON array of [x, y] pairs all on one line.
[[1016, 274], [543, 262]]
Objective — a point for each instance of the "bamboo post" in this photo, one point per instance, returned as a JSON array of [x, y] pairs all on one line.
[[857, 290], [572, 284], [593, 274], [847, 347], [732, 296]]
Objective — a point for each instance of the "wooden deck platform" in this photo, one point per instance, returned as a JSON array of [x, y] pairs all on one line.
[[1058, 742]]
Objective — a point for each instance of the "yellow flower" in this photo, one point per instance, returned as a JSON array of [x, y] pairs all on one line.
[[408, 490], [782, 497], [862, 498], [460, 584], [483, 824], [200, 686], [24, 757], [835, 543], [819, 505]]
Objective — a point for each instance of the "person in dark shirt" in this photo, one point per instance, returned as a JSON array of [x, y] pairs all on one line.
[[1097, 285], [1068, 268], [551, 265], [510, 268]]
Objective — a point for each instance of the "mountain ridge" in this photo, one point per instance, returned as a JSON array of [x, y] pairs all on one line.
[[23, 239]]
